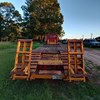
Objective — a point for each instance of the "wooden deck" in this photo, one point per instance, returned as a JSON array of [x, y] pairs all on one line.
[[55, 48]]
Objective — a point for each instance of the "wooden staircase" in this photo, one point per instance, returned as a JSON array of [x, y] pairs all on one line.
[[64, 58], [76, 60], [34, 61], [22, 67]]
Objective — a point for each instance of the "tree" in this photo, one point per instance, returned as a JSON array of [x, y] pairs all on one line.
[[62, 34], [42, 17], [1, 27], [10, 21]]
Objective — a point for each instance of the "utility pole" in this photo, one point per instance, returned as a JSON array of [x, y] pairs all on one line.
[[91, 35], [82, 36]]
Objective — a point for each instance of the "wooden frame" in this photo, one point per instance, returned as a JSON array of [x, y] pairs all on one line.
[[70, 63], [76, 51], [24, 47]]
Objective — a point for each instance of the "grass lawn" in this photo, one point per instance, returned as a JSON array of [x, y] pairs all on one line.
[[40, 89]]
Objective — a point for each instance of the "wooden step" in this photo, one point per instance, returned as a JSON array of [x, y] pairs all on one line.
[[63, 53], [65, 67], [24, 52], [33, 66], [76, 53], [32, 70], [32, 61], [65, 64], [50, 72], [78, 75], [35, 56], [18, 73], [36, 53], [65, 61], [37, 59], [64, 58]]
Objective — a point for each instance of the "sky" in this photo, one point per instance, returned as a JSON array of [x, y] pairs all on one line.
[[81, 17]]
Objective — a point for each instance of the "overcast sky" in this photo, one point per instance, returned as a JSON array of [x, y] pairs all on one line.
[[81, 17]]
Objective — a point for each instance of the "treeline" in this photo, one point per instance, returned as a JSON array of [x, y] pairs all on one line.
[[41, 17]]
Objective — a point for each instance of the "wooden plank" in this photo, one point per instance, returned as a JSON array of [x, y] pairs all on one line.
[[26, 52], [78, 75], [20, 77], [26, 40], [50, 72], [33, 66], [75, 53], [50, 62], [77, 79], [33, 76], [72, 71], [65, 67]]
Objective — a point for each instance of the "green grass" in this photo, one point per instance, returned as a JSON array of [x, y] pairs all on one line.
[[39, 89], [36, 45]]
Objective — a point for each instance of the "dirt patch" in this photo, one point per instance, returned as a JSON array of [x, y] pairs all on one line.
[[93, 72]]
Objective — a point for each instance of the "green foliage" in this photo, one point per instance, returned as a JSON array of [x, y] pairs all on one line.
[[42, 17], [10, 20]]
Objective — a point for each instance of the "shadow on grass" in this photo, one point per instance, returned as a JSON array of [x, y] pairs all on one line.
[[47, 90]]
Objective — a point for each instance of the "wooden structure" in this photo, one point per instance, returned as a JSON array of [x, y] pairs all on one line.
[[76, 60], [22, 68], [52, 38], [50, 61]]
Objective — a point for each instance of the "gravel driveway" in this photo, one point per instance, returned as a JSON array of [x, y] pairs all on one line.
[[92, 55]]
